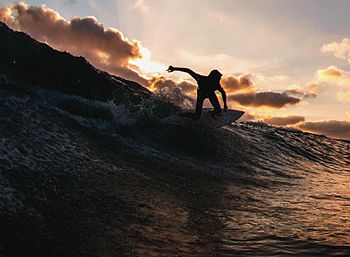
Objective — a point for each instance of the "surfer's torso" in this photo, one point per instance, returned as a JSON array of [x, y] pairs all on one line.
[[206, 85]]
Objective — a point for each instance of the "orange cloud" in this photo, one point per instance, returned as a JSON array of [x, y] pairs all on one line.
[[105, 48], [310, 91], [284, 121], [336, 78], [5, 14], [330, 73], [332, 128], [324, 78]]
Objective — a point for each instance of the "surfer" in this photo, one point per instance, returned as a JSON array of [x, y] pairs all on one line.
[[207, 85]]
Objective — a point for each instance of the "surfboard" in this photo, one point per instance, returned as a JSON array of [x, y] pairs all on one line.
[[207, 120]]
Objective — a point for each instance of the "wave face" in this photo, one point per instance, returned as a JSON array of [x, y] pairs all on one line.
[[82, 176]]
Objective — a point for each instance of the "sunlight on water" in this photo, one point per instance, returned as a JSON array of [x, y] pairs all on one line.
[[312, 212]]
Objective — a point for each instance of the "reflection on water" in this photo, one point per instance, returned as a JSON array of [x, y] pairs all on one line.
[[308, 215], [290, 196], [314, 215]]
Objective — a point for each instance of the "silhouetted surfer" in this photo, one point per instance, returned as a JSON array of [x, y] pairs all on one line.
[[207, 85]]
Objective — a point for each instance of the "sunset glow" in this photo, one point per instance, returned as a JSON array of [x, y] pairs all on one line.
[[145, 64]]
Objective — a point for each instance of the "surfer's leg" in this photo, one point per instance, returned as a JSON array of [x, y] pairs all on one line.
[[215, 103], [199, 106]]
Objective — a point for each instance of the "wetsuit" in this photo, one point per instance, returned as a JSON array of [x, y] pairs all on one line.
[[206, 89]]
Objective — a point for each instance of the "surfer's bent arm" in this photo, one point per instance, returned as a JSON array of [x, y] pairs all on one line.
[[223, 94], [187, 70]]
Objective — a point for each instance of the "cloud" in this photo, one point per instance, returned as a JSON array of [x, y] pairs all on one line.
[[330, 73], [5, 13], [340, 49], [310, 91], [106, 48], [284, 121], [336, 80], [142, 6], [234, 84], [265, 99], [243, 91], [348, 115], [330, 77], [332, 128]]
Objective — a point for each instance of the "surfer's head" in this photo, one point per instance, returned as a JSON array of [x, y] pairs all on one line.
[[215, 75]]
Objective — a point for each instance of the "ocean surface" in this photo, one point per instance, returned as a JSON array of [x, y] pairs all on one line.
[[88, 178]]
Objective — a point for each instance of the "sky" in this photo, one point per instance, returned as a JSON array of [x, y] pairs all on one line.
[[284, 62]]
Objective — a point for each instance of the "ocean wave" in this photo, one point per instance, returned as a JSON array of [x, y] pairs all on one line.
[[245, 189]]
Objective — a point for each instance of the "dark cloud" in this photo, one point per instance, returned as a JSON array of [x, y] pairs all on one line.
[[332, 128], [284, 121], [105, 48], [266, 99], [235, 85], [243, 91]]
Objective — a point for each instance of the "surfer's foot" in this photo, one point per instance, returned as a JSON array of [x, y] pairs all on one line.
[[215, 114]]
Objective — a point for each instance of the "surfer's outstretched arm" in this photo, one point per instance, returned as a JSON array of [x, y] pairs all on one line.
[[187, 70], [223, 94]]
